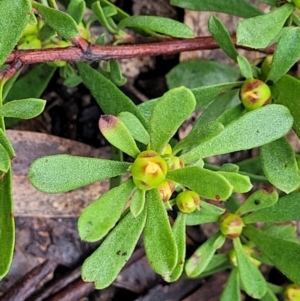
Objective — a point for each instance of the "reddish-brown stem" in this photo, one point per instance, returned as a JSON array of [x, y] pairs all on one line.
[[88, 52]]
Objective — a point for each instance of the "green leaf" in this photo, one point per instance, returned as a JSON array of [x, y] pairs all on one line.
[[61, 22], [240, 8], [4, 160], [252, 280], [116, 133], [279, 165], [198, 73], [23, 108], [116, 73], [245, 67], [99, 13], [286, 91], [199, 134], [206, 94], [76, 9], [197, 263], [286, 209], [282, 231], [159, 241], [270, 2], [253, 129], [258, 32], [286, 54], [7, 224], [179, 235], [158, 24], [135, 127], [222, 37], [283, 254], [206, 183], [240, 183], [102, 215], [109, 97], [219, 262], [207, 214], [4, 141], [104, 265], [231, 292], [14, 17], [169, 112], [258, 200], [137, 202], [62, 173]]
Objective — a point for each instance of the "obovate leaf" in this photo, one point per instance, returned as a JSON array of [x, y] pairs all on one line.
[[159, 241], [198, 73], [269, 296], [137, 201], [169, 112], [285, 255], [206, 94], [7, 224], [109, 97], [240, 183], [14, 17], [253, 129], [179, 235], [282, 231], [135, 127], [62, 173], [76, 9], [206, 183], [279, 165], [61, 22], [286, 91], [197, 263], [102, 215], [232, 288], [222, 37], [258, 32], [116, 133], [252, 280], [199, 134], [286, 209], [258, 200], [231, 114], [245, 67], [207, 214], [23, 108], [158, 24], [289, 43], [104, 265], [240, 8]]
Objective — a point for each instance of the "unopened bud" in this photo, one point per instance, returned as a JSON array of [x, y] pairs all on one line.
[[188, 201], [231, 225]]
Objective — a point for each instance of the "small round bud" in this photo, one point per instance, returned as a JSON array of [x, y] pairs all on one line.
[[292, 293], [231, 225], [167, 150], [188, 201], [254, 94], [148, 170], [174, 162], [166, 189]]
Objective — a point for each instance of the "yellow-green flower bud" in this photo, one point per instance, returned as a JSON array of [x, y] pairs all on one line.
[[188, 201], [174, 162], [292, 293], [166, 189], [254, 94], [231, 225], [148, 170]]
